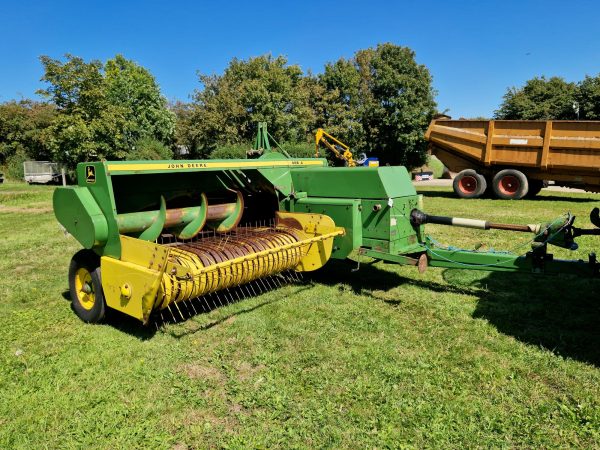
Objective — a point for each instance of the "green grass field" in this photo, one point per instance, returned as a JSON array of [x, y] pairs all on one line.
[[380, 358]]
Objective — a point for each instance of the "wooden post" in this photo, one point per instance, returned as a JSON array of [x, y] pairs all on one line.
[[64, 178]]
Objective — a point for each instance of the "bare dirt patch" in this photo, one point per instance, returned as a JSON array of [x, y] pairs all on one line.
[[195, 416], [195, 371], [22, 269], [180, 446], [246, 371]]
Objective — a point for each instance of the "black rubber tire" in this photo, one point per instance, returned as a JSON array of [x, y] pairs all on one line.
[[535, 186], [90, 261], [469, 184], [510, 184], [489, 193]]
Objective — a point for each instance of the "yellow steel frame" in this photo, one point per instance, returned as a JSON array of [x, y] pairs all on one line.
[[150, 276], [322, 137]]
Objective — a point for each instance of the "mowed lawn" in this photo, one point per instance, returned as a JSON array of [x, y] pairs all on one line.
[[379, 358]]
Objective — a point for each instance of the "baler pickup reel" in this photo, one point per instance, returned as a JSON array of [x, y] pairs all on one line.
[[151, 278]]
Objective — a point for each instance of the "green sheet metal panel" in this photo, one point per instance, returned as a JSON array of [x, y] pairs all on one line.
[[280, 177], [375, 216], [382, 222], [354, 182], [76, 209], [94, 177], [344, 212]]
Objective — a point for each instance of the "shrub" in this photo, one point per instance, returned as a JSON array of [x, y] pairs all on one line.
[[148, 148], [232, 151], [436, 166], [14, 165], [299, 149], [238, 151]]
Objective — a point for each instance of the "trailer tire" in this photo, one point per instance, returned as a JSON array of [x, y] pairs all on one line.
[[469, 184], [85, 286], [510, 184], [535, 186]]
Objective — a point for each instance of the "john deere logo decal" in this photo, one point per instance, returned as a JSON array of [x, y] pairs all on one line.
[[90, 174]]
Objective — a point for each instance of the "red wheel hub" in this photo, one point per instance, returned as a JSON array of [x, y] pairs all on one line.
[[467, 184], [509, 185]]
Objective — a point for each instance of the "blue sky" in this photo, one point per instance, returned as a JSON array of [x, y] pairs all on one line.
[[474, 49]]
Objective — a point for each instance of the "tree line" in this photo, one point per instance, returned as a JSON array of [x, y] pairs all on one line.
[[89, 111], [552, 98], [379, 101]]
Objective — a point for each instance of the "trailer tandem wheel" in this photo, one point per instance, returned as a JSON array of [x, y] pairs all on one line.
[[535, 186], [469, 184], [510, 184]]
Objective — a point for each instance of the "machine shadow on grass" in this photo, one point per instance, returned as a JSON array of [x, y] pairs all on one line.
[[245, 307], [122, 322], [541, 198], [186, 312], [560, 314], [371, 278]]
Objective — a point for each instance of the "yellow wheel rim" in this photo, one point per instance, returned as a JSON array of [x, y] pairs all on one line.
[[84, 288]]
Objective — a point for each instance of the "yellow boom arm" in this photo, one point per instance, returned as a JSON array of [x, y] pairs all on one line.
[[339, 149]]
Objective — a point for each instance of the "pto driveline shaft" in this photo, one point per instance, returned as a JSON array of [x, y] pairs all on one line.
[[420, 218]]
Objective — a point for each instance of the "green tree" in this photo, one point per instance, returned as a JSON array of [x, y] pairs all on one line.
[[133, 88], [381, 102], [22, 126], [149, 148], [21, 129], [264, 88], [340, 104], [588, 98], [103, 109], [187, 139], [74, 86], [540, 99]]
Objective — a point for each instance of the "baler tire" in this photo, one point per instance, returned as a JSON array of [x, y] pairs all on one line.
[[510, 184], [86, 264], [469, 184]]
